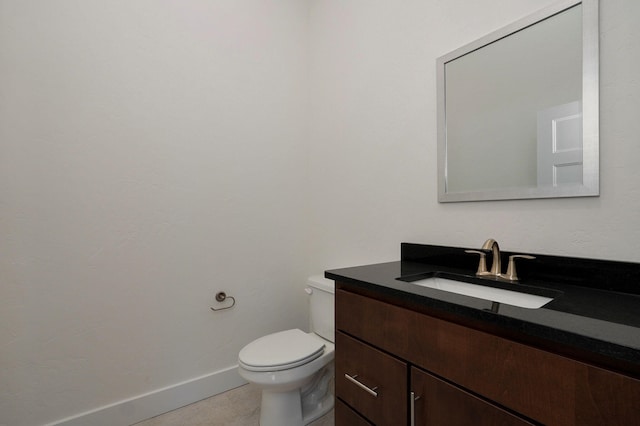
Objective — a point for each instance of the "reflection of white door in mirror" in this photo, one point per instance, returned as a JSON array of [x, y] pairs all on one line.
[[560, 145]]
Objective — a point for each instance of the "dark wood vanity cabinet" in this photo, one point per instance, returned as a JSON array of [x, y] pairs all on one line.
[[409, 368]]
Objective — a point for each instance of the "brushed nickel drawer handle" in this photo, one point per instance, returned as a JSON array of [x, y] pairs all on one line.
[[412, 408], [361, 385]]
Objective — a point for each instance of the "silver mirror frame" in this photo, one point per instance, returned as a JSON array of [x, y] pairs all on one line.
[[590, 110]]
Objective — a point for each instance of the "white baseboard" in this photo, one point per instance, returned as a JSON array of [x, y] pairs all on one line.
[[141, 407]]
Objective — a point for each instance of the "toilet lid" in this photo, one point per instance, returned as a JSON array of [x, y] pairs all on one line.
[[281, 351]]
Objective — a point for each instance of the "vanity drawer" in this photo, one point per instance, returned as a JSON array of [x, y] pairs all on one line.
[[371, 382], [383, 325]]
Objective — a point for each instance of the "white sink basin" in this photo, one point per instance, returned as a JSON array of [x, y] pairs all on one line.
[[515, 298]]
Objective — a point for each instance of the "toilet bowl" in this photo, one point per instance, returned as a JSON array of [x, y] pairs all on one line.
[[293, 368]]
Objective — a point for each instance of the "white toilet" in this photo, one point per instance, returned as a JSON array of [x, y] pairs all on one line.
[[294, 368]]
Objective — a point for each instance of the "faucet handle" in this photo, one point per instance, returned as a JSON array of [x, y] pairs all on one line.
[[511, 274], [482, 265]]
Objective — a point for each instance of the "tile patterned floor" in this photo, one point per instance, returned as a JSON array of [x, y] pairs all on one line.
[[237, 407]]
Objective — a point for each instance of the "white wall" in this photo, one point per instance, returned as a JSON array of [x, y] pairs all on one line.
[[151, 154], [373, 136], [154, 152]]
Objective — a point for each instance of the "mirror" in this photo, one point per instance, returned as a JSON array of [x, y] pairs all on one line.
[[518, 110]]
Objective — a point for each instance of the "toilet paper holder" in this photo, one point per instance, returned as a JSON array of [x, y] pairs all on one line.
[[221, 296]]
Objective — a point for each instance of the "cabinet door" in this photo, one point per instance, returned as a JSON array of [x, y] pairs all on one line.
[[371, 382], [437, 403]]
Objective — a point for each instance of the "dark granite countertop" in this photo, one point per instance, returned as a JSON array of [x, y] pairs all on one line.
[[588, 313]]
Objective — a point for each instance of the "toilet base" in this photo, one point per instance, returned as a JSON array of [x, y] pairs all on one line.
[[298, 407], [280, 408], [284, 408]]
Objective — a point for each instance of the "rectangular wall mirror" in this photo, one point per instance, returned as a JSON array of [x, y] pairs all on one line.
[[518, 110]]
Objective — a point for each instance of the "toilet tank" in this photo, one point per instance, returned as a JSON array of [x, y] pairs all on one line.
[[321, 306]]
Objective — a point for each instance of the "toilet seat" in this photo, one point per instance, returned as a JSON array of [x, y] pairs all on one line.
[[281, 351]]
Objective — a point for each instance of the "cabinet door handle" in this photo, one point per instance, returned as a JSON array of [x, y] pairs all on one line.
[[361, 385], [412, 405]]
